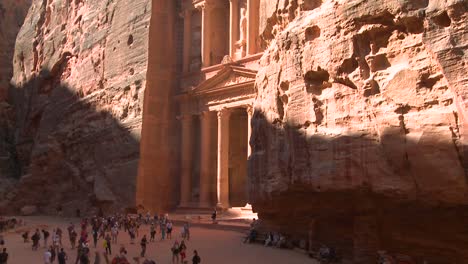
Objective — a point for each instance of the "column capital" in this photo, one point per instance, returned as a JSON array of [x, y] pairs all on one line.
[[249, 109], [205, 5], [225, 112]]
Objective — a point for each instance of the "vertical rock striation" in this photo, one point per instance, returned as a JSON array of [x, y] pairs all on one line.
[[79, 79], [359, 130]]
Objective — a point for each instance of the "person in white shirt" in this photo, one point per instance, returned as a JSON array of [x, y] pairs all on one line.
[[47, 257]]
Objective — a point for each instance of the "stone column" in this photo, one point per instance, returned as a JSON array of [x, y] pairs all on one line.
[[252, 26], [206, 34], [187, 39], [222, 178], [249, 129], [205, 125], [234, 26], [186, 156]]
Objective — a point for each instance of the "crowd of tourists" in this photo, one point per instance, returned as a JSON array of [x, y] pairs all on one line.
[[106, 231]]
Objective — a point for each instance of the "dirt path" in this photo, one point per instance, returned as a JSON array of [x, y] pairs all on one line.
[[214, 246]]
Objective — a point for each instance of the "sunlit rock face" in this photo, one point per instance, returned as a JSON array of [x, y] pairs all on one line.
[[360, 123], [79, 78]]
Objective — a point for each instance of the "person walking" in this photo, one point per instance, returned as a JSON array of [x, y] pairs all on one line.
[[182, 249], [114, 233], [45, 235], [196, 258], [62, 257], [186, 231], [175, 253], [152, 232], [169, 230], [143, 244], [35, 239], [4, 256], [47, 257], [95, 237], [109, 246]]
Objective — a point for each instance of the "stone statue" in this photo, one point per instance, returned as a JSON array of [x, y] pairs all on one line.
[[241, 44]]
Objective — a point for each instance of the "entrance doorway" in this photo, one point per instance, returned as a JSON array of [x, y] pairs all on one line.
[[238, 144]]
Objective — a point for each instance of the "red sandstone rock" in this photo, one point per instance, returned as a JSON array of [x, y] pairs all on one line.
[[79, 79], [360, 115]]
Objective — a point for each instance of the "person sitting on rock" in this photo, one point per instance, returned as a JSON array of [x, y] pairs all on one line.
[[252, 236]]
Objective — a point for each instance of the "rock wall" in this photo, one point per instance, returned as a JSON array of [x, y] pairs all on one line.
[[359, 130], [12, 14], [79, 79]]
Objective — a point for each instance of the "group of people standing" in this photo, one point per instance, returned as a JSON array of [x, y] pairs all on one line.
[[107, 230]]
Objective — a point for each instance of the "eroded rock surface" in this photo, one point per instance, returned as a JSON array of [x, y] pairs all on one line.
[[79, 78], [360, 123]]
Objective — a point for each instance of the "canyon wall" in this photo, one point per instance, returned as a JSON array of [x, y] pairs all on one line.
[[79, 79], [359, 129], [12, 14]]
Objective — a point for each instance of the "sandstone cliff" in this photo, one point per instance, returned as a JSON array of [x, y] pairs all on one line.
[[360, 122], [12, 14], [79, 78]]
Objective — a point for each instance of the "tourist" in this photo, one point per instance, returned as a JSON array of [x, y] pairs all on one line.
[[107, 245], [59, 233], [143, 243], [131, 233], [252, 236], [114, 233], [269, 239], [45, 236], [84, 258], [2, 240], [95, 236], [25, 236], [4, 256], [214, 215], [120, 260], [55, 239], [175, 252], [148, 217], [53, 254], [73, 236], [182, 249], [196, 259], [163, 232], [59, 210], [62, 257], [35, 238], [186, 231], [152, 232], [169, 230], [47, 257]]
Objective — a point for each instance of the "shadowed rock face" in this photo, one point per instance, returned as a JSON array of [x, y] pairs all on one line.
[[79, 78], [359, 131], [12, 14]]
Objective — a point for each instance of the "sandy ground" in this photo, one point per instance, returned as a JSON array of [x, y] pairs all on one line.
[[214, 246]]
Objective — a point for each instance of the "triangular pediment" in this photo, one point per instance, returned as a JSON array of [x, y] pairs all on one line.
[[229, 77]]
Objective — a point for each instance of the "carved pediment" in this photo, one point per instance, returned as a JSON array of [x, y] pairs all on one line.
[[229, 78]]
